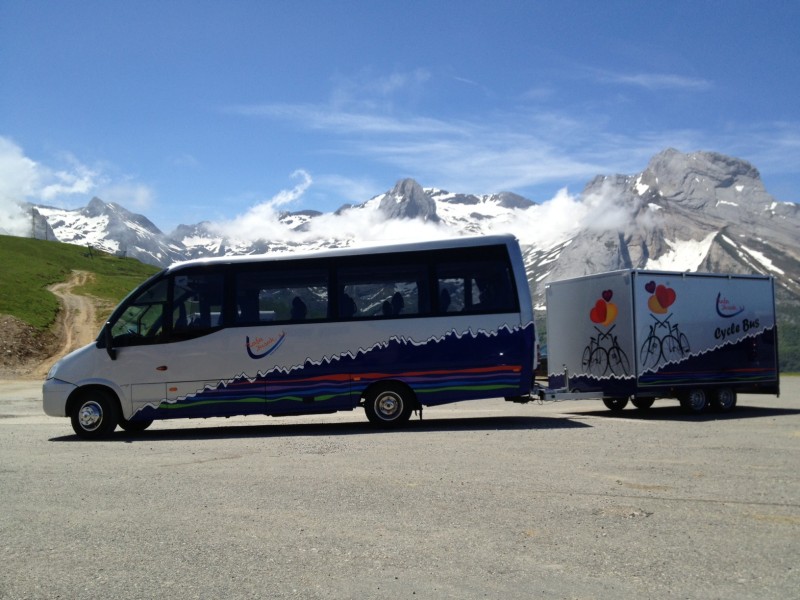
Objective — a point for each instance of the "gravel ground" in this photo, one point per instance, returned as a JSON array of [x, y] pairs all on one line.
[[479, 500]]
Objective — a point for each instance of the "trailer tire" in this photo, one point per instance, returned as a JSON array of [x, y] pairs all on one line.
[[643, 403], [695, 400], [724, 400], [615, 404]]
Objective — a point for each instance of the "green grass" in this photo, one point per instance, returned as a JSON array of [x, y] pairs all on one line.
[[28, 266]]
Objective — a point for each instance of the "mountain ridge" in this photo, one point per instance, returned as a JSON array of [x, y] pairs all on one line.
[[697, 211]]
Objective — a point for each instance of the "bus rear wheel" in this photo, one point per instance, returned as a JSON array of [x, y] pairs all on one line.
[[643, 403], [389, 406], [615, 404], [94, 415]]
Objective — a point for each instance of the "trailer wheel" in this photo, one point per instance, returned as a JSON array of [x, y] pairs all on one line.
[[389, 405], [615, 404], [694, 400], [724, 400], [643, 403]]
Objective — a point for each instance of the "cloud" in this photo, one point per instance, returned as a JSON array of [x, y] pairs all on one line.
[[78, 179], [23, 179], [19, 179], [655, 81], [131, 195], [262, 220], [356, 224]]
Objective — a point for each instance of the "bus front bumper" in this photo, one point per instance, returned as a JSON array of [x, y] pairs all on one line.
[[54, 397]]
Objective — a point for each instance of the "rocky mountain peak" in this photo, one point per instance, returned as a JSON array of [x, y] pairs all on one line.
[[703, 180], [408, 200]]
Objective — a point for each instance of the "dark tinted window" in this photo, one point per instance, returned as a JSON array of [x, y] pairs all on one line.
[[197, 303], [476, 286], [383, 291], [295, 295], [142, 319]]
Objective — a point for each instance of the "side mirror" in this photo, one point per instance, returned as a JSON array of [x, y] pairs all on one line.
[[109, 342]]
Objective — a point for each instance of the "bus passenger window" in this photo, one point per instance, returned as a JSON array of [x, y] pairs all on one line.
[[196, 304], [264, 297], [383, 291], [478, 286]]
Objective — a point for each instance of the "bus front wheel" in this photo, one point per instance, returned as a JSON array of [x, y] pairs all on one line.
[[95, 414], [389, 406]]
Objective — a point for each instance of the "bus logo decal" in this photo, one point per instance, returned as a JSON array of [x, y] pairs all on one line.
[[260, 347], [727, 309]]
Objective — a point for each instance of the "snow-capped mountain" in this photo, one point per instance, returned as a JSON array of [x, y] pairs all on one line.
[[111, 228], [686, 212]]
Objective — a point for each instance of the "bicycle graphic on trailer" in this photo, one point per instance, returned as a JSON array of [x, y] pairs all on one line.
[[604, 356], [671, 346]]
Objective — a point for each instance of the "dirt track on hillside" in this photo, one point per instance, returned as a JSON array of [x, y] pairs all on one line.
[[76, 324], [29, 354]]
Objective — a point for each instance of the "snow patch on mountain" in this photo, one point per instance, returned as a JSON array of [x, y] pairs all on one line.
[[683, 255]]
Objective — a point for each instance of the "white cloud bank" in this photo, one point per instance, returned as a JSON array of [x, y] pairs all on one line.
[[543, 225], [20, 177], [23, 179]]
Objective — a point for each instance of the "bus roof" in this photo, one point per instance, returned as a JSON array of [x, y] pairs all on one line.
[[365, 248]]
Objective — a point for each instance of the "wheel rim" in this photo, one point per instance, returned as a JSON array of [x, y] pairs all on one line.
[[90, 416], [388, 406], [697, 400], [725, 399]]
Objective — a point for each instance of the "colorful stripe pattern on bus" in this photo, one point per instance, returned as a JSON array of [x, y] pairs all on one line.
[[469, 365]]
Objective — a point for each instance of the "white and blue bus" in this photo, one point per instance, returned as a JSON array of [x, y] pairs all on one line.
[[391, 328]]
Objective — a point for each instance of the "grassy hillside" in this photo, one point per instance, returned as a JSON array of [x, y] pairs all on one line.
[[28, 266]]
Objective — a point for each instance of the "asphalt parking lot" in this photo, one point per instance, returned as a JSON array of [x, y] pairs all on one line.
[[479, 500]]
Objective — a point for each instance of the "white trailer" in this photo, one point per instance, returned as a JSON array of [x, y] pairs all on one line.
[[637, 335]]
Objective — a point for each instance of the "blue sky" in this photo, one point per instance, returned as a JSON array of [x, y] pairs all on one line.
[[190, 111]]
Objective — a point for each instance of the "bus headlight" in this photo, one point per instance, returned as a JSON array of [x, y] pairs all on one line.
[[52, 372]]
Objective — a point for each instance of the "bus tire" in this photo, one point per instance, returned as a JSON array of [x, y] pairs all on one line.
[[615, 404], [724, 400], [389, 405], [94, 414], [134, 426], [643, 403]]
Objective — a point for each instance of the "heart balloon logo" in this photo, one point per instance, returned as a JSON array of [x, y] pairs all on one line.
[[599, 313], [611, 314], [603, 313], [655, 306], [607, 295], [650, 287], [666, 296]]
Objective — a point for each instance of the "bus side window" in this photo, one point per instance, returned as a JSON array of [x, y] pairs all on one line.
[[197, 304], [477, 286], [383, 291], [281, 296]]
